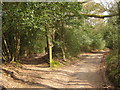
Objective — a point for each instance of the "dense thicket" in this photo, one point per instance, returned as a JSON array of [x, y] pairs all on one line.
[[113, 59], [20, 35], [111, 33], [30, 27], [113, 67]]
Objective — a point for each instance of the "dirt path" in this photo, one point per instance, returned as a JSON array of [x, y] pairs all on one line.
[[85, 73]]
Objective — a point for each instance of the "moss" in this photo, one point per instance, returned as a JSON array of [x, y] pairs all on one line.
[[55, 64]]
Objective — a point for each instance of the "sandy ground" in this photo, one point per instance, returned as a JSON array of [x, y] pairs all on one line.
[[84, 73]]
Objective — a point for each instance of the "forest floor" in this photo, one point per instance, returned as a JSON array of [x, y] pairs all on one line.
[[86, 72]]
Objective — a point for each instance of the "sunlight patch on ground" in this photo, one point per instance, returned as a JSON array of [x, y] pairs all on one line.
[[95, 57]]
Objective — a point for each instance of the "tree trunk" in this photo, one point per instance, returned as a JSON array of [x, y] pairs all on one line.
[[47, 42], [15, 55], [63, 53], [50, 55], [6, 53], [119, 9], [49, 45], [18, 46], [62, 40], [118, 28]]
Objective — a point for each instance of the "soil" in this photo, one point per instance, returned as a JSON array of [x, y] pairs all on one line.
[[88, 71]]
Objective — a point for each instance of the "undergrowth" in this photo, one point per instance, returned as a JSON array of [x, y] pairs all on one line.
[[55, 64], [113, 68]]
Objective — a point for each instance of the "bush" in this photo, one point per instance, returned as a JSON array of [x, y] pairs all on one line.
[[110, 35], [98, 42], [113, 68], [77, 41], [72, 42]]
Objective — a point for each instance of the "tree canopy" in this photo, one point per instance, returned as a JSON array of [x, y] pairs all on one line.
[[62, 29]]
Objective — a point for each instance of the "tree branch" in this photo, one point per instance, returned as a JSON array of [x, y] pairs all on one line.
[[85, 1], [94, 15], [100, 16]]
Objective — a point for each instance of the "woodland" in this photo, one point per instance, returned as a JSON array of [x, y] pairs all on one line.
[[59, 31]]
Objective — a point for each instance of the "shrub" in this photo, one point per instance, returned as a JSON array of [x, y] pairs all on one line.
[[98, 42], [113, 68]]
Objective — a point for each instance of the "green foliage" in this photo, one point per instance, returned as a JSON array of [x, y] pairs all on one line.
[[21, 22], [72, 42], [111, 34], [83, 40], [113, 67], [26, 26], [98, 42]]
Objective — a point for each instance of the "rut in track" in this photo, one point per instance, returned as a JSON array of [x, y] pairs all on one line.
[[84, 73]]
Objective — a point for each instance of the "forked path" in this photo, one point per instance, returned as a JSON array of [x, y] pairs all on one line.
[[85, 73]]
